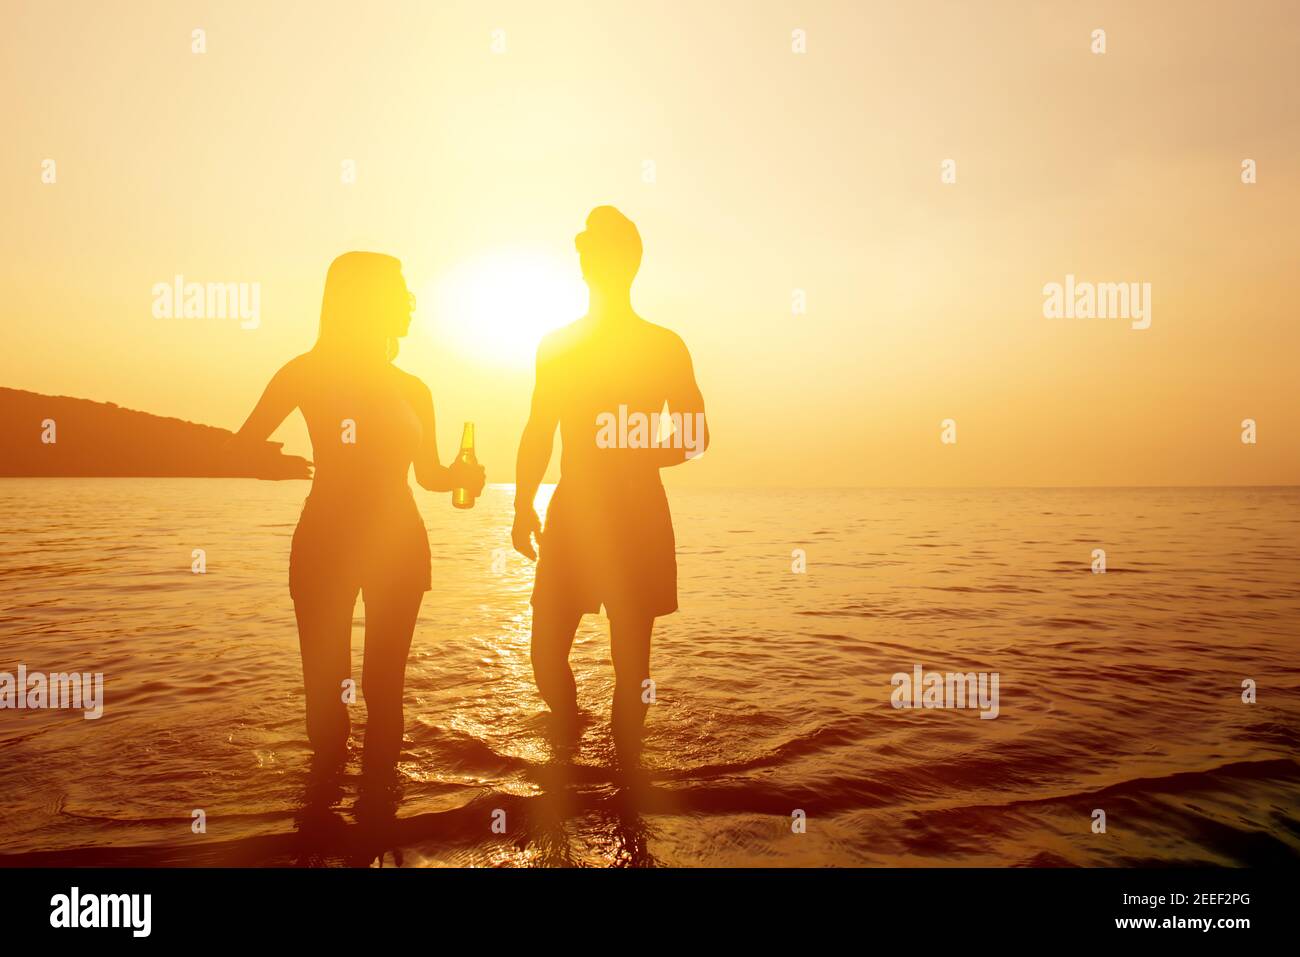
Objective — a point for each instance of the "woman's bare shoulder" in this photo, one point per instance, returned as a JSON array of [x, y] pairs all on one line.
[[298, 366], [412, 385]]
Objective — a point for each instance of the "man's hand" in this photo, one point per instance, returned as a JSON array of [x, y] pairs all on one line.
[[526, 528]]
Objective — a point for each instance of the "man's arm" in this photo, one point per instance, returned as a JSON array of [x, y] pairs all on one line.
[[684, 398], [534, 455]]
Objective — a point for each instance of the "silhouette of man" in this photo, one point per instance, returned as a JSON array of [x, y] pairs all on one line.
[[605, 380]]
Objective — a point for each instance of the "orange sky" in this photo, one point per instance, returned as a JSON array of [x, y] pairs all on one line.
[[773, 172]]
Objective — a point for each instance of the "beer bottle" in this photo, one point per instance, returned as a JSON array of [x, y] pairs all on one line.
[[461, 497]]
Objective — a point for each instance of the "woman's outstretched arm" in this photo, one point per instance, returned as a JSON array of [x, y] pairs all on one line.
[[280, 397]]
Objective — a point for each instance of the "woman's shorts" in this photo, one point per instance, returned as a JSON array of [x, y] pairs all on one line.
[[340, 549]]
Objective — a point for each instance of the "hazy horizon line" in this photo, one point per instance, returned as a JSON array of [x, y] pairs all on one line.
[[695, 487]]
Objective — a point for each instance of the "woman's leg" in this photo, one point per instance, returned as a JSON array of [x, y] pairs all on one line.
[[325, 640], [390, 622], [630, 648]]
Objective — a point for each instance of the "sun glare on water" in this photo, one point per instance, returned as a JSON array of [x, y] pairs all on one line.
[[497, 307]]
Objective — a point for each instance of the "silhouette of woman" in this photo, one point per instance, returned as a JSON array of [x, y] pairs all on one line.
[[360, 530]]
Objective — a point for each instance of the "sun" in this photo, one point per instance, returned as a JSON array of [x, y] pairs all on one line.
[[497, 307]]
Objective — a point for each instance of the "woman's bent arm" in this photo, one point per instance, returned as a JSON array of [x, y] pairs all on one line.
[[429, 472]]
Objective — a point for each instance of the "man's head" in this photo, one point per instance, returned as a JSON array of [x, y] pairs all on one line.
[[609, 249]]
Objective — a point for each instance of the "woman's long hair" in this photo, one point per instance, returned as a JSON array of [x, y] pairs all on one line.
[[366, 307]]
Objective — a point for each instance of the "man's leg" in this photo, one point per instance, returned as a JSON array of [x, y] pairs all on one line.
[[552, 639], [630, 646]]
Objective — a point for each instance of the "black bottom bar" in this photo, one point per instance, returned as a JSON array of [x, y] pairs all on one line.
[[947, 907]]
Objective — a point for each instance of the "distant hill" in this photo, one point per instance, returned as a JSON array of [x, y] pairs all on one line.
[[101, 439]]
